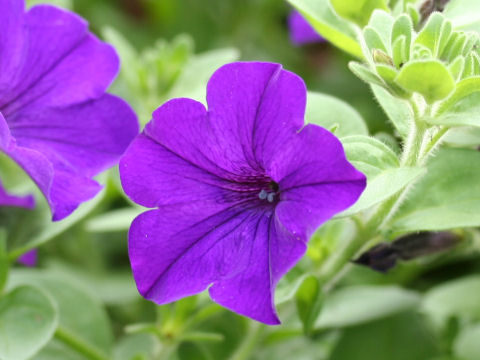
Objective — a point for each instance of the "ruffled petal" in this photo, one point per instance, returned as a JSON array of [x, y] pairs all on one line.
[[255, 108], [177, 251], [62, 64], [316, 180]]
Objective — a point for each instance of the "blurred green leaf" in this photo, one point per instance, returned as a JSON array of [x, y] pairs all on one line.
[[430, 78], [192, 81], [137, 346], [358, 11], [447, 197], [309, 299], [329, 25], [66, 4], [116, 220], [400, 337], [79, 313], [28, 319], [4, 262], [359, 304], [328, 111], [467, 345], [459, 297], [464, 14]]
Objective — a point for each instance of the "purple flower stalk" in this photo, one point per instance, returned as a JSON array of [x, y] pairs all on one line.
[[56, 121], [301, 32], [237, 190]]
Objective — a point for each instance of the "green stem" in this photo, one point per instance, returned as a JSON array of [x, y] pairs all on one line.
[[247, 346], [367, 236], [79, 345]]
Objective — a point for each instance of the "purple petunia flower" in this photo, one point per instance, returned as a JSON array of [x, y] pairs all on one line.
[[238, 189], [56, 121], [301, 32]]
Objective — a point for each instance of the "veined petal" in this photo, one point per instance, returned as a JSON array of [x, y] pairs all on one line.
[[86, 138], [254, 108], [177, 251], [316, 180], [63, 187]]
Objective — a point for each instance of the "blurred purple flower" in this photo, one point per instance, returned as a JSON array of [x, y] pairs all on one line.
[[29, 258], [56, 121], [301, 32], [239, 189], [6, 199]]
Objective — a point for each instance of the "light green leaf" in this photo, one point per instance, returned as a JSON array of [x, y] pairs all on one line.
[[464, 136], [134, 346], [464, 113], [338, 32], [383, 23], [365, 74], [28, 320], [428, 77], [435, 33], [397, 110], [359, 304], [79, 312], [358, 11], [464, 14], [384, 185], [327, 111], [373, 39], [459, 297], [116, 220], [403, 27], [66, 4], [309, 299], [369, 155], [447, 197], [467, 344], [192, 82], [463, 89]]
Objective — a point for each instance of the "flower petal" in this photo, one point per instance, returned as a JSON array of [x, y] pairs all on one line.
[[29, 258], [86, 138], [178, 251], [27, 202], [171, 162], [316, 180], [256, 107], [62, 63], [62, 148]]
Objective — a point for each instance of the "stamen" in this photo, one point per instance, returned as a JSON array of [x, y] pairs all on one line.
[[271, 197], [263, 194]]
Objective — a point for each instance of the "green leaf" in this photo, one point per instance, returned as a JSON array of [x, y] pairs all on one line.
[[369, 155], [358, 11], [384, 185], [338, 32], [365, 74], [467, 346], [397, 110], [464, 136], [466, 112], [192, 82], [327, 111], [447, 197], [400, 337], [116, 220], [373, 39], [463, 89], [79, 312], [464, 14], [4, 262], [355, 305], [66, 4], [459, 297], [309, 299], [435, 34], [28, 320], [382, 22], [403, 27], [134, 347], [430, 78]]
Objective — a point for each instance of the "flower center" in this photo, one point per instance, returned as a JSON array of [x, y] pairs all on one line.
[[269, 194]]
